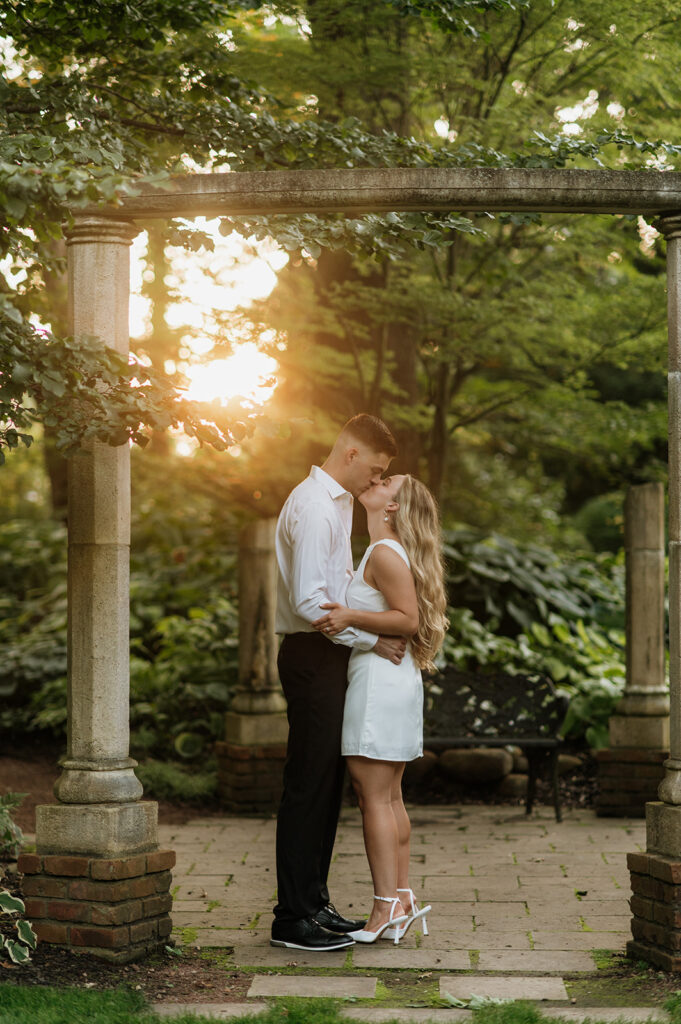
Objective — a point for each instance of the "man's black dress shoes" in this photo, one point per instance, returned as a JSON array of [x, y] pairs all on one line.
[[307, 934], [328, 917]]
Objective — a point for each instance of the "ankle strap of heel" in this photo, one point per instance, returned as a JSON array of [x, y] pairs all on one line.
[[412, 899], [389, 899]]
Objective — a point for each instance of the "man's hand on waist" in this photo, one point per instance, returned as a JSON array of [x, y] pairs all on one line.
[[391, 648]]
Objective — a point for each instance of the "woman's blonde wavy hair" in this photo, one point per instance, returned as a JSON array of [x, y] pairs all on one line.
[[417, 524]]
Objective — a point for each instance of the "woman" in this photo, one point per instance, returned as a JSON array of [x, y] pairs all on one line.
[[398, 590]]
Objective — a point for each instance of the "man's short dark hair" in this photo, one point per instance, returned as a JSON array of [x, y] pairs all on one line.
[[372, 432]]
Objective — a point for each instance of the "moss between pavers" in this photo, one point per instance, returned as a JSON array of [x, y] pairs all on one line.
[[396, 986], [616, 981]]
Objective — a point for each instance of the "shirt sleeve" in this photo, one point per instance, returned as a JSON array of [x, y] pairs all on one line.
[[311, 537]]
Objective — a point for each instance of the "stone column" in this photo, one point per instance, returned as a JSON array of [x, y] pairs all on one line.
[[97, 768], [629, 771], [656, 874], [98, 882], [669, 811], [251, 759], [642, 718]]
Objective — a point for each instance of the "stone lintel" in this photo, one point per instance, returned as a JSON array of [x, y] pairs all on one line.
[[99, 830], [406, 188], [256, 730]]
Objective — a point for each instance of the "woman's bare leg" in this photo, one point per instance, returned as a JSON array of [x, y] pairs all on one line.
[[374, 782], [403, 832]]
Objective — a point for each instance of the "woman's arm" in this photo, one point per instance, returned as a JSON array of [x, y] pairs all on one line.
[[390, 574]]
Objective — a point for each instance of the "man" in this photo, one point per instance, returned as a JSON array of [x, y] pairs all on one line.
[[315, 567]]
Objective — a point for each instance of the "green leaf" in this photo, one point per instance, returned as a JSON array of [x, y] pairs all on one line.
[[18, 953], [15, 207], [10, 904], [189, 744], [452, 1000], [26, 934]]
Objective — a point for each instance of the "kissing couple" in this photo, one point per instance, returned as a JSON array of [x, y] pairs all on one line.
[[350, 662]]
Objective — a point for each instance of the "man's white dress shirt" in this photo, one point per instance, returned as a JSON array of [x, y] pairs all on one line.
[[315, 557]]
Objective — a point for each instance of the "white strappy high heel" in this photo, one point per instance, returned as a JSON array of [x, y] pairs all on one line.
[[363, 935], [398, 933]]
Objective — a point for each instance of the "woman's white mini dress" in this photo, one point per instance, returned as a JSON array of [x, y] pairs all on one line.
[[383, 715]]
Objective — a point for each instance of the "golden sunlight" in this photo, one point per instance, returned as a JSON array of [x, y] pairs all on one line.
[[247, 372]]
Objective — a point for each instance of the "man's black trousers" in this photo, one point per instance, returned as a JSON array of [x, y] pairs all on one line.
[[313, 673]]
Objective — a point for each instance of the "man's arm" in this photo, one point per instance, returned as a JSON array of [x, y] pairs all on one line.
[[312, 539]]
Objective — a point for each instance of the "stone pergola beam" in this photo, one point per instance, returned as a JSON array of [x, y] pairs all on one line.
[[356, 191]]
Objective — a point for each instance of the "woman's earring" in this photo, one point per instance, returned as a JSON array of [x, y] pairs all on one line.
[[386, 517]]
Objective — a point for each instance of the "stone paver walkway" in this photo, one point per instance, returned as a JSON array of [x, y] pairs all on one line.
[[509, 894], [423, 1015]]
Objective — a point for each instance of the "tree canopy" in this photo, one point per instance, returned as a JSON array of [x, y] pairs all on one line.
[[508, 348]]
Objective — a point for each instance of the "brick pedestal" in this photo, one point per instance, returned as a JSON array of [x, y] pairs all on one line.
[[250, 777], [656, 906], [627, 779], [116, 909]]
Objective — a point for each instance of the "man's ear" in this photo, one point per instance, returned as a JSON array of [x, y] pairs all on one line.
[[351, 454]]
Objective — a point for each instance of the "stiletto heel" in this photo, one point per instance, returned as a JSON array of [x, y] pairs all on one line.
[[414, 915], [363, 935]]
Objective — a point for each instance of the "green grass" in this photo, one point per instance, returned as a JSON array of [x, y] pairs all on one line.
[[71, 1006], [36, 1005], [74, 1006]]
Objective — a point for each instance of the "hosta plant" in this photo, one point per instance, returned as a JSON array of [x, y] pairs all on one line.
[[11, 835], [18, 949]]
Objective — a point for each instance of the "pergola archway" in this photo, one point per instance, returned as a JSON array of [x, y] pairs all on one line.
[[101, 832]]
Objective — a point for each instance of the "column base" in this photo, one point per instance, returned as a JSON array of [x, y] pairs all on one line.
[[656, 925], [116, 908], [97, 830], [628, 778], [269, 728], [639, 731], [250, 778], [251, 762]]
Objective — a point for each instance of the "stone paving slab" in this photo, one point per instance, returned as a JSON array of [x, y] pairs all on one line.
[[504, 988], [387, 955], [302, 985], [607, 924], [442, 888], [537, 960], [581, 940], [417, 1014], [204, 938], [218, 1011], [628, 1014], [470, 939], [595, 905], [264, 955], [421, 1015]]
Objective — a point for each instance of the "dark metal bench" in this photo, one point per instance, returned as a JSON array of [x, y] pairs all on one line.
[[496, 709]]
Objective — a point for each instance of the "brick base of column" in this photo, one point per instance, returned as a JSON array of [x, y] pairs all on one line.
[[250, 777], [628, 778], [116, 909], [655, 904]]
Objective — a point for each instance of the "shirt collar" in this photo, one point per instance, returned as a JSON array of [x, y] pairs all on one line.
[[335, 489]]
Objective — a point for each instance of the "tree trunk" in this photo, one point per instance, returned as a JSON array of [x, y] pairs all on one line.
[[159, 344]]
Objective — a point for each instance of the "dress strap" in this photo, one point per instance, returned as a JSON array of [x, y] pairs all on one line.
[[396, 546]]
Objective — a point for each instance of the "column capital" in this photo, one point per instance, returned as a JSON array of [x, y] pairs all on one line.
[[669, 224], [108, 230]]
